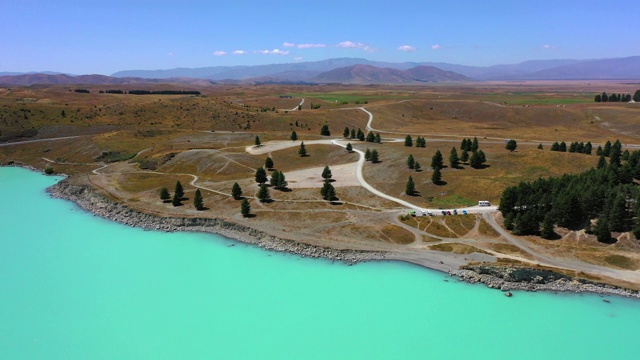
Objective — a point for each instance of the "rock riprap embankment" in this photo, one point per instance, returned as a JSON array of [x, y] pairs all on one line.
[[508, 278], [90, 201]]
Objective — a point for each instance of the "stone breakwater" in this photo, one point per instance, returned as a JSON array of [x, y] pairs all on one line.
[[508, 278], [95, 203]]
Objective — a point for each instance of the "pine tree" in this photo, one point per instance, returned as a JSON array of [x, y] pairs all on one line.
[[464, 157], [324, 131], [367, 155], [421, 142], [236, 191], [436, 177], [261, 175], [377, 139], [411, 162], [477, 159], [198, 203], [602, 232], [474, 145], [245, 207], [164, 194], [408, 141], [602, 162], [615, 156], [360, 135], [328, 192], [370, 137], [588, 148], [416, 166], [345, 133], [257, 141], [555, 146], [625, 155], [463, 144], [540, 147], [374, 156], [511, 145], [326, 172], [179, 192], [453, 158], [547, 230], [353, 134], [562, 147], [302, 151], [294, 136], [268, 163], [509, 220], [278, 180], [410, 188], [349, 147], [600, 151], [176, 201], [607, 149], [618, 214], [263, 193], [437, 160]]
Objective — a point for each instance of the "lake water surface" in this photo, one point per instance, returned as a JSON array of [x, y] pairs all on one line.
[[75, 286]]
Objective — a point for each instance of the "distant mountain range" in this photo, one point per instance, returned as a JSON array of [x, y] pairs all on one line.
[[367, 74], [562, 69], [353, 71], [62, 79]]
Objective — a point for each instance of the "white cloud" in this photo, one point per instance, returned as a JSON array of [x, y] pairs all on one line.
[[407, 48], [436, 47], [356, 45], [350, 45], [303, 46], [239, 52], [171, 54], [273, 52], [297, 58], [219, 53], [548, 47], [310, 46]]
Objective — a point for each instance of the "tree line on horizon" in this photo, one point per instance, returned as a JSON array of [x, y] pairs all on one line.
[[604, 97], [152, 92]]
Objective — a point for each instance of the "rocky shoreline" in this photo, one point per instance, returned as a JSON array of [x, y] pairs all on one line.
[[505, 278], [89, 200]]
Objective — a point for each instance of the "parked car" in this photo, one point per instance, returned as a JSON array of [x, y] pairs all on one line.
[[448, 212], [424, 212], [455, 212], [413, 213], [464, 212], [444, 212], [429, 213]]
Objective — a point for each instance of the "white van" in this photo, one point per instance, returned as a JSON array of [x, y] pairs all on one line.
[[484, 203]]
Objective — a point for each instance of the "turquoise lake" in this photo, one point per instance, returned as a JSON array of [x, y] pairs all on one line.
[[75, 286]]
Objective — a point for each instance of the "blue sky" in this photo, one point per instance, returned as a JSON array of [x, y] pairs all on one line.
[[102, 37]]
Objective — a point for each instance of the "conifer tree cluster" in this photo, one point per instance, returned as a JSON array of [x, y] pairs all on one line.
[[372, 155], [604, 97], [278, 180], [607, 193], [575, 147], [477, 159]]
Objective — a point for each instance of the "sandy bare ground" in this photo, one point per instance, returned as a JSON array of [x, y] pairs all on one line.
[[344, 175]]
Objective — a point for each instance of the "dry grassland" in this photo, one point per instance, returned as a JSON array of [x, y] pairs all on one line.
[[156, 140]]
